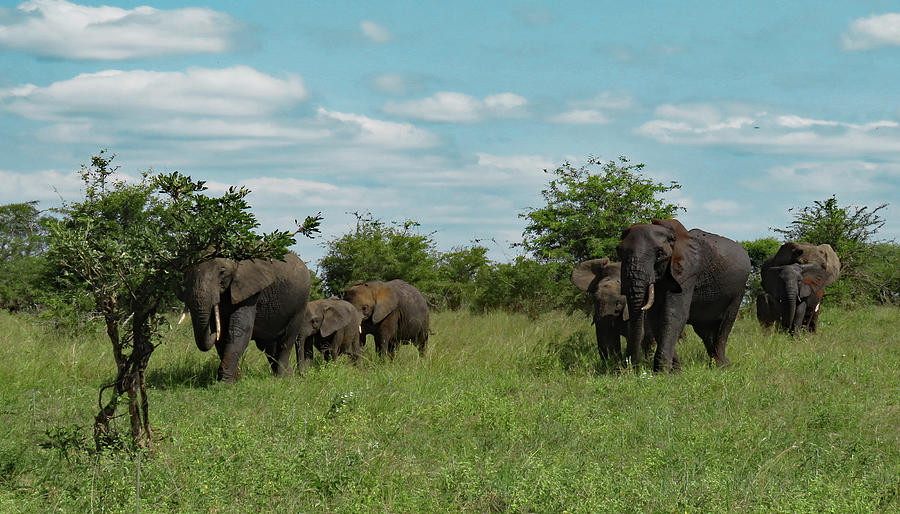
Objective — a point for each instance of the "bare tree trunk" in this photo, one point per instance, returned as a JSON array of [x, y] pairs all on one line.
[[129, 380]]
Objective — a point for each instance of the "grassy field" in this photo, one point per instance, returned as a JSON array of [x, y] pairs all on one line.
[[503, 414]]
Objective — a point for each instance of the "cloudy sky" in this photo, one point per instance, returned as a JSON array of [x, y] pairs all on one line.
[[447, 113]]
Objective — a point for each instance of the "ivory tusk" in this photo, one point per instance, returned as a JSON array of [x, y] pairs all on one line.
[[218, 322], [649, 298], [183, 315], [360, 329], [817, 307]]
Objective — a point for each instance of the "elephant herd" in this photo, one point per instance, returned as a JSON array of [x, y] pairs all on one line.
[[267, 301], [667, 277]]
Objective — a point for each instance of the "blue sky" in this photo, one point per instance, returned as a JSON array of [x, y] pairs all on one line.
[[447, 112]]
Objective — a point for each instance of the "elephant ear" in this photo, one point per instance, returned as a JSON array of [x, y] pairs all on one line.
[[812, 279], [251, 277], [586, 274], [684, 261], [331, 321], [386, 302]]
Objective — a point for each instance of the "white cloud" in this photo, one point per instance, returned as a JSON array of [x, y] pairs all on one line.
[[581, 117], [391, 83], [873, 32], [374, 32], [383, 133], [46, 186], [235, 91], [57, 28], [592, 111], [741, 126], [814, 179], [722, 207], [452, 107]]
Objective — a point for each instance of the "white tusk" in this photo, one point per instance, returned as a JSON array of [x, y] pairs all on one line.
[[360, 329], [817, 307], [218, 322], [649, 298], [183, 315]]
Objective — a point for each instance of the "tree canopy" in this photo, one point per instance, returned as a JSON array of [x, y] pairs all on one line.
[[588, 206]]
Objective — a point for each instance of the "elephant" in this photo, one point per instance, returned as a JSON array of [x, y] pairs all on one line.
[[791, 294], [232, 302], [393, 312], [673, 277], [805, 253], [601, 279], [333, 326]]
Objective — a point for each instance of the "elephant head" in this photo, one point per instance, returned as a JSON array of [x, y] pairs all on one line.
[[375, 300], [210, 284], [652, 253], [329, 315], [790, 285], [602, 280]]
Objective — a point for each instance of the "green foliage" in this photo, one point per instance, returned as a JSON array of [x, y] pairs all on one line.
[[759, 250], [378, 251], [850, 231], [456, 273], [587, 210], [22, 242], [504, 414], [526, 286]]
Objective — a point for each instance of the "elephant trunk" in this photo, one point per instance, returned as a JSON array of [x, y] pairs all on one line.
[[789, 305], [639, 293], [206, 331]]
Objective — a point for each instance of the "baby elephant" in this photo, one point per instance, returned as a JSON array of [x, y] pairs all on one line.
[[333, 326]]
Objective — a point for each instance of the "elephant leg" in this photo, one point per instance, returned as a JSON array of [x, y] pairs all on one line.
[[670, 325], [304, 347], [721, 331], [800, 313], [240, 327], [387, 331]]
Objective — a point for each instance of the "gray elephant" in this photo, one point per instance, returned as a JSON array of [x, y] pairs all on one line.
[[791, 295], [333, 326], [233, 302], [804, 253], [393, 312], [601, 279], [672, 277]]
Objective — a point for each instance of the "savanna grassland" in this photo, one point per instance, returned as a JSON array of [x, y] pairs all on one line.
[[503, 414]]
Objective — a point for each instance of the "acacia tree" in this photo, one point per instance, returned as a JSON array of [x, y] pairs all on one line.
[[587, 208], [127, 246]]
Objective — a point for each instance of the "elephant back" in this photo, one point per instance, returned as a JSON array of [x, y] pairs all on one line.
[[794, 252]]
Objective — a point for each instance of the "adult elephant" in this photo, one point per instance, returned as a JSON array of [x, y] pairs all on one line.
[[673, 277], [792, 294], [601, 279], [233, 302], [333, 326], [823, 255], [393, 312]]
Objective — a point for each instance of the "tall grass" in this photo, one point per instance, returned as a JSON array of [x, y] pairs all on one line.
[[502, 414]]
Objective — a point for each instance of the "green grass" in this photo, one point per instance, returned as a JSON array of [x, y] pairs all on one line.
[[503, 414]]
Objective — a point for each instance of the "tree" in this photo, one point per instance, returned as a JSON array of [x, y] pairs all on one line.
[[586, 209], [456, 274], [847, 229], [378, 251], [127, 246], [22, 243]]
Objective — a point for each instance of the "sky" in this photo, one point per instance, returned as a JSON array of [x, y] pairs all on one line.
[[448, 113]]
